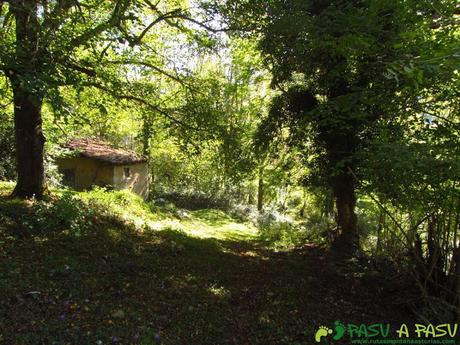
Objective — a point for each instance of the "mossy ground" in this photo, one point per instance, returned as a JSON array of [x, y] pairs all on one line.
[[106, 268]]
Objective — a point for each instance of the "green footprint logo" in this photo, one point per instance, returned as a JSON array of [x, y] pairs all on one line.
[[323, 331], [339, 330]]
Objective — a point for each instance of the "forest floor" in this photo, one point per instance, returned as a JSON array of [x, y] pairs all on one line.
[[204, 278]]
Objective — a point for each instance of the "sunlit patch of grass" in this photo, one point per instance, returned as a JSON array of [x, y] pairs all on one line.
[[166, 223], [206, 224], [216, 224], [219, 291], [229, 231]]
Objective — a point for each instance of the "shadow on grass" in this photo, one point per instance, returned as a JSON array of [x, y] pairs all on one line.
[[114, 284]]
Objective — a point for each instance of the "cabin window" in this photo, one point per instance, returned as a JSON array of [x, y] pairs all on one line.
[[126, 173], [68, 177]]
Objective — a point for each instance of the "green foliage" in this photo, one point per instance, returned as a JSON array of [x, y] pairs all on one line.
[[76, 213], [7, 148], [68, 213], [7, 143], [334, 82], [211, 152]]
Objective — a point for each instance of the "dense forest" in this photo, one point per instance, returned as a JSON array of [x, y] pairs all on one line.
[[296, 151]]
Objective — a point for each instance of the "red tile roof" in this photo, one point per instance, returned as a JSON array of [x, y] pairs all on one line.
[[103, 151]]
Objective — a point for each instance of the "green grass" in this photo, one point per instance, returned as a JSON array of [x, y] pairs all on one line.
[[105, 267]]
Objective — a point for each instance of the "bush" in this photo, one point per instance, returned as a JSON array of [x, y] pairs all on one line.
[[279, 230], [245, 213], [67, 212], [75, 212]]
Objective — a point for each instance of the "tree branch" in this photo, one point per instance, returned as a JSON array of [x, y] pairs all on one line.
[[180, 14], [398, 225], [168, 15], [85, 70], [51, 21], [454, 124], [146, 64], [113, 21], [203, 25], [143, 102]]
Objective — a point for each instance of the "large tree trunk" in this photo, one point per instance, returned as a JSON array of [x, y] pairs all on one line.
[[347, 225], [29, 144], [28, 98]]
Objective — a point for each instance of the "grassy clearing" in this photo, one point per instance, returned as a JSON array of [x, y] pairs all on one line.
[[107, 268]]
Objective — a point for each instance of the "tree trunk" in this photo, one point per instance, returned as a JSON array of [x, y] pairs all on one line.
[[28, 98], [147, 134], [260, 190], [381, 226], [434, 258], [29, 144], [347, 225], [304, 204]]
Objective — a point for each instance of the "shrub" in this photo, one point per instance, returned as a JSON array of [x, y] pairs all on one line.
[[67, 212], [279, 230]]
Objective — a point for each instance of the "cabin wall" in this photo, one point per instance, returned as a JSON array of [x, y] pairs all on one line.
[[88, 172], [138, 180]]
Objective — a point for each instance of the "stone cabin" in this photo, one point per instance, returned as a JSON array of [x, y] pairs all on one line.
[[96, 163]]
